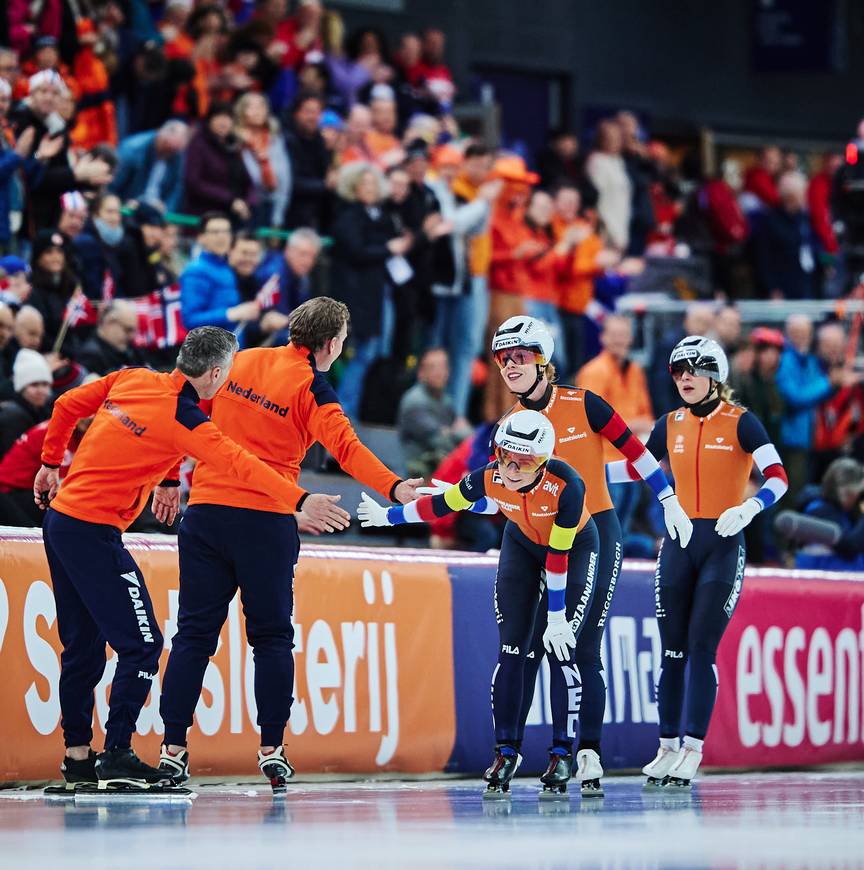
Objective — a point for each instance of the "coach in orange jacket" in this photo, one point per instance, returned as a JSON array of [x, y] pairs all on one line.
[[277, 402], [144, 423]]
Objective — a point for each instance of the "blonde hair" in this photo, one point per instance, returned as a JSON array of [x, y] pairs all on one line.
[[726, 393], [550, 373], [350, 175], [242, 104]]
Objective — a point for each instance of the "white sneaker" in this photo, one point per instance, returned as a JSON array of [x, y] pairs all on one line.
[[588, 772], [685, 767], [658, 769]]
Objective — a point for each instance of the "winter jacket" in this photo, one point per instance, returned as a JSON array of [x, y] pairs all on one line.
[[803, 384], [848, 553], [310, 161], [215, 174], [359, 269], [137, 157], [101, 264], [277, 199], [17, 416], [785, 248], [100, 357], [208, 288]]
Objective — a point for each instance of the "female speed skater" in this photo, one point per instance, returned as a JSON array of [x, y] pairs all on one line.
[[522, 348], [545, 581], [711, 444]]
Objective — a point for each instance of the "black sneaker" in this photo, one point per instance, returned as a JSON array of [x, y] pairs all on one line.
[[175, 767], [76, 772], [123, 765]]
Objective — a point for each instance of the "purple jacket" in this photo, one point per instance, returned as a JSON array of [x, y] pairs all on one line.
[[215, 174]]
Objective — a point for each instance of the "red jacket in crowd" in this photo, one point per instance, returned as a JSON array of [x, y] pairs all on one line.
[[24, 458], [760, 182], [819, 203]]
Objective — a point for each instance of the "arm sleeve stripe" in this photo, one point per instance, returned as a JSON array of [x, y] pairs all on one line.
[[556, 579], [659, 484], [396, 516], [630, 446], [557, 600], [486, 506], [411, 512], [454, 499], [620, 471], [556, 562], [561, 538], [614, 429], [766, 455], [775, 486]]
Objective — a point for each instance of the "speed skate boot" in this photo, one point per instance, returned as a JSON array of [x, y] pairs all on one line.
[[588, 772], [76, 773], [174, 767], [684, 769], [121, 772], [557, 774], [505, 765], [657, 770], [277, 769]]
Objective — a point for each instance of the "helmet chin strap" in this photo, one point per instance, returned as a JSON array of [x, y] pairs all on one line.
[[710, 396], [541, 371]]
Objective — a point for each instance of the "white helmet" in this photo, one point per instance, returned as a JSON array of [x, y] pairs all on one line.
[[703, 356], [528, 433], [524, 331]]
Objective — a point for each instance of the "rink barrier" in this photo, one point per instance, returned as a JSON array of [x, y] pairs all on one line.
[[394, 654]]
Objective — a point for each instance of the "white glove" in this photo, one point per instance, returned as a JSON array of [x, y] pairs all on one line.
[[677, 522], [732, 520], [370, 513], [559, 637], [438, 488]]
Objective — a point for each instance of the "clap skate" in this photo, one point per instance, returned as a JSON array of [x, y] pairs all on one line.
[[557, 775], [505, 765], [277, 769], [174, 767], [657, 770], [685, 767], [76, 774], [120, 773], [588, 772]]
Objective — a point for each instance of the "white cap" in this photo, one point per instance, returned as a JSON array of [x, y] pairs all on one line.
[[30, 367]]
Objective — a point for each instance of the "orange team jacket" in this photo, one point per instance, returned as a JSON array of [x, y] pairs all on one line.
[[576, 280], [507, 229], [537, 277], [145, 423], [277, 404]]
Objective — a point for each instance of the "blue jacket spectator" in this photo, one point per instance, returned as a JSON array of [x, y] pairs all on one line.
[[150, 166], [208, 285]]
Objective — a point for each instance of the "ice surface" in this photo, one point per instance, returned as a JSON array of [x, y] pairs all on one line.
[[757, 820]]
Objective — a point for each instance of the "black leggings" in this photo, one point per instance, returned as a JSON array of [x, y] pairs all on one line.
[[695, 592], [520, 610], [590, 640]]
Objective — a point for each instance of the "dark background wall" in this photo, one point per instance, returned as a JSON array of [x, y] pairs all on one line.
[[677, 62]]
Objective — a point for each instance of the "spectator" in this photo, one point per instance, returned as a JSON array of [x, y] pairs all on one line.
[[608, 173], [310, 164], [803, 384], [208, 288], [13, 154], [39, 111], [381, 141], [757, 389], [110, 347], [428, 428], [150, 166], [52, 279], [14, 282], [355, 144], [727, 326], [364, 239], [291, 269], [297, 36], [575, 290], [698, 320], [332, 129], [73, 214], [9, 68], [457, 327], [105, 257], [31, 404], [509, 247], [558, 164], [785, 245], [144, 233], [215, 175], [347, 73], [621, 382], [265, 158], [642, 173], [29, 331], [244, 259], [838, 500], [7, 329], [434, 71], [760, 181], [819, 202]]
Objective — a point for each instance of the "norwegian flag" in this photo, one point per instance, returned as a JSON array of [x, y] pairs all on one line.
[[79, 311], [159, 322], [270, 293], [107, 286]]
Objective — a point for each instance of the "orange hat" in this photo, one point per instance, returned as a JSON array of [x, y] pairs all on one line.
[[764, 335], [447, 155], [512, 168]]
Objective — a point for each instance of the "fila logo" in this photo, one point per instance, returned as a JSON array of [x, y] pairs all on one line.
[[673, 654], [548, 486], [510, 650]]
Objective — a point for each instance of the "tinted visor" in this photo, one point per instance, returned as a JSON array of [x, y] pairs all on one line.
[[678, 368], [523, 461], [519, 356]]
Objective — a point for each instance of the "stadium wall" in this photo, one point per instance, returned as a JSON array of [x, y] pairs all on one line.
[[394, 653]]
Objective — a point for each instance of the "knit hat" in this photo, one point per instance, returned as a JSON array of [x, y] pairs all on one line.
[[12, 265], [73, 200], [148, 215], [416, 148], [329, 118], [46, 78], [29, 368], [44, 240]]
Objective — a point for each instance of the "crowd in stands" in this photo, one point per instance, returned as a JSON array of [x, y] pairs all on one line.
[[218, 163]]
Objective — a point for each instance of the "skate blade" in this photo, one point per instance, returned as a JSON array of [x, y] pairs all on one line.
[[553, 796], [592, 789], [62, 792], [673, 783], [125, 791], [654, 784], [496, 795]]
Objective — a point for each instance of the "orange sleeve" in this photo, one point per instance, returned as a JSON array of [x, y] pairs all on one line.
[[584, 261], [329, 425], [206, 443], [590, 377], [71, 407]]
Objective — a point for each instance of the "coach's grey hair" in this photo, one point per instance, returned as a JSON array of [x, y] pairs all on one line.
[[205, 348], [305, 234]]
